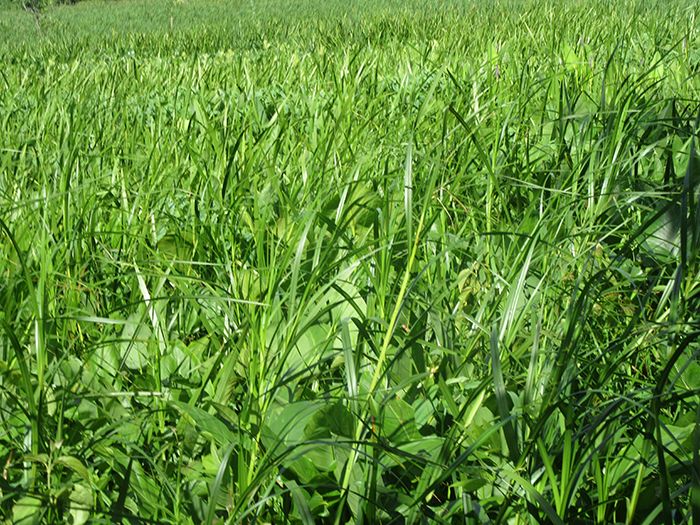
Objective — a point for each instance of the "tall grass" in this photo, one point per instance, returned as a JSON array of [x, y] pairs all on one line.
[[437, 263]]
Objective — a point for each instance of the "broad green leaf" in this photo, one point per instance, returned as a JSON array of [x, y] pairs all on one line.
[[427, 449], [334, 418], [76, 465], [661, 238], [135, 336], [82, 502], [424, 411], [284, 432], [175, 360], [398, 421], [311, 345], [470, 485], [691, 376], [320, 454], [674, 436], [207, 425], [27, 511], [288, 423], [37, 458]]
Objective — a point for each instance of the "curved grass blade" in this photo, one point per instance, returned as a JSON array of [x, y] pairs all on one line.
[[534, 494], [502, 400], [300, 501], [216, 487]]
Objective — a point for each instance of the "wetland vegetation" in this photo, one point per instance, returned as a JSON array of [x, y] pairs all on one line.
[[349, 262]]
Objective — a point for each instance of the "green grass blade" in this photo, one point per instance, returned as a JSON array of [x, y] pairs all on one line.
[[503, 401], [218, 481]]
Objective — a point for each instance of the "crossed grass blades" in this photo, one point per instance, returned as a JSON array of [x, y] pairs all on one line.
[[273, 262]]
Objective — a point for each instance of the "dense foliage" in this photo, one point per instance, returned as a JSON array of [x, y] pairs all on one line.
[[364, 262]]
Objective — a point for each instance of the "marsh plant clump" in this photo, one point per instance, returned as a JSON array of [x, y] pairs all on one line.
[[366, 262]]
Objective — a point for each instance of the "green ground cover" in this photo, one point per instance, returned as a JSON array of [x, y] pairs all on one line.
[[365, 262]]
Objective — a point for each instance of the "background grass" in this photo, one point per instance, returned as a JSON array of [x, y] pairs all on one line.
[[374, 262]]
